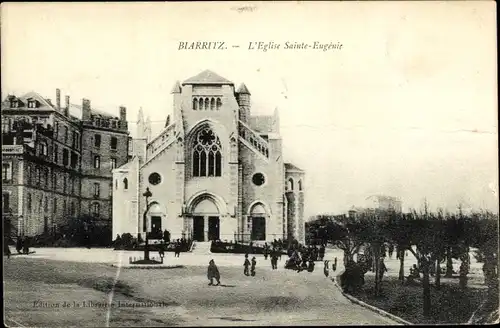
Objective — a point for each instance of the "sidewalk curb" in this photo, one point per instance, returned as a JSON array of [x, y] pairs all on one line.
[[368, 306]]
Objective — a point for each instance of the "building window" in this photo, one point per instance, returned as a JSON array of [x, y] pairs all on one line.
[[96, 209], [64, 184], [54, 210], [46, 205], [212, 104], [258, 179], [300, 185], [97, 141], [207, 158], [195, 104], [97, 162], [64, 207], [5, 203], [54, 182], [116, 184], [125, 183], [56, 129], [154, 178], [46, 177], [65, 134], [114, 143], [97, 190], [6, 172], [29, 202], [72, 208], [5, 126], [290, 184], [219, 103], [65, 157], [113, 163], [74, 160], [32, 104], [43, 148], [38, 176], [56, 154]]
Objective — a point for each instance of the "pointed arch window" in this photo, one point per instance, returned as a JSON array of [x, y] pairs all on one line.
[[300, 185], [219, 103], [207, 154], [125, 184]]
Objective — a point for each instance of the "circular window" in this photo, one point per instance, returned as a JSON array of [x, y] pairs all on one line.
[[258, 179], [154, 178]]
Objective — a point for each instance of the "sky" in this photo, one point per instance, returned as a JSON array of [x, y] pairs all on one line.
[[407, 107]]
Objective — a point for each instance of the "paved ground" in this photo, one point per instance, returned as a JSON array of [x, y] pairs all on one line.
[[280, 297]]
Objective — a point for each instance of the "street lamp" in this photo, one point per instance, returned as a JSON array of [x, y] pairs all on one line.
[[147, 194]]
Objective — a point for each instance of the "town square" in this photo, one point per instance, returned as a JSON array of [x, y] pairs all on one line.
[[161, 167]]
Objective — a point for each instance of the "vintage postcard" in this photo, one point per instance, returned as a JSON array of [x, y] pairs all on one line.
[[249, 163]]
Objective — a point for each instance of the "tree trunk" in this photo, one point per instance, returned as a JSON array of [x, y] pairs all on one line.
[[377, 270], [437, 281], [449, 263], [426, 286], [402, 266]]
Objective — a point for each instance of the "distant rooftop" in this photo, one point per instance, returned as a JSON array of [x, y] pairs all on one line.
[[291, 167], [207, 77]]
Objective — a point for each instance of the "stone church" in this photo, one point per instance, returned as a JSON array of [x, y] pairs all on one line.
[[215, 171]]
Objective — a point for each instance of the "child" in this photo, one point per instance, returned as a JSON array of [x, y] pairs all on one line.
[[246, 265], [254, 263]]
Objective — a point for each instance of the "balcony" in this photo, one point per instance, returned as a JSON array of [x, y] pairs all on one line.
[[13, 149]]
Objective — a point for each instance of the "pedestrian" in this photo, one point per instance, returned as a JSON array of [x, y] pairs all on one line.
[[266, 252], [325, 269], [246, 264], [161, 251], [19, 244], [213, 273], [274, 260], [382, 268], [254, 263], [26, 247], [177, 248], [6, 248], [310, 268]]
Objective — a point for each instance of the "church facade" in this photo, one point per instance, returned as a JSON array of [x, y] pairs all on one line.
[[215, 172]]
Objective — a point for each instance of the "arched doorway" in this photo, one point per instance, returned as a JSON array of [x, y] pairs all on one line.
[[156, 213], [206, 220], [258, 216]]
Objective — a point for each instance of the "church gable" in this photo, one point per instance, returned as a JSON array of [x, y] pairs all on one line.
[[207, 77]]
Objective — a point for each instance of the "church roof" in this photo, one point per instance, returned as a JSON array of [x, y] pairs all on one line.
[[261, 123], [291, 167], [207, 77], [243, 89]]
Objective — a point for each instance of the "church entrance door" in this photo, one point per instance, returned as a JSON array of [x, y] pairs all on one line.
[[258, 228], [198, 228], [213, 228], [156, 228]]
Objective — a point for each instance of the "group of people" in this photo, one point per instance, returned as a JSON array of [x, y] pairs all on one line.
[[22, 246]]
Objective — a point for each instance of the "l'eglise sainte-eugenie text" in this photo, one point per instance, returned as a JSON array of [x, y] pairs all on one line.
[[316, 45]]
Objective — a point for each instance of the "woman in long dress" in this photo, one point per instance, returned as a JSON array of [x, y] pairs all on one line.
[[213, 273]]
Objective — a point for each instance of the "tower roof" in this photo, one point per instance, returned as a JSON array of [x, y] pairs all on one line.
[[243, 89], [176, 88], [207, 77]]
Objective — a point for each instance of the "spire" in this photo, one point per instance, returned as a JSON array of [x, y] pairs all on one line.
[[167, 122], [243, 89], [176, 88], [276, 121], [140, 124], [147, 128]]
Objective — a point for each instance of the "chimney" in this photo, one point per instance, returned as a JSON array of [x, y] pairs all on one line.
[[66, 109], [85, 110], [123, 113], [58, 99]]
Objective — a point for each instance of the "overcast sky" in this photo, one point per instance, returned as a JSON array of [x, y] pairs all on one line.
[[406, 108]]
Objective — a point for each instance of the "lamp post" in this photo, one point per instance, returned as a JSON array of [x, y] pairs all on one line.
[[147, 194]]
